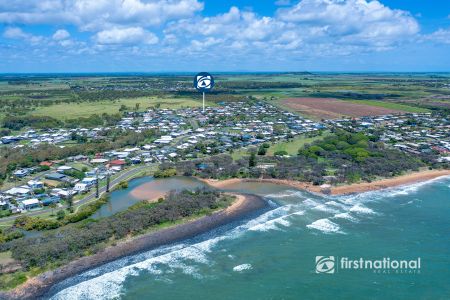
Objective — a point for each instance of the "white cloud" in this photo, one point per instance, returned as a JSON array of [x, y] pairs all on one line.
[[130, 35], [283, 2], [306, 28], [97, 15], [14, 33], [61, 34], [233, 25], [352, 21], [441, 36], [310, 26], [19, 34]]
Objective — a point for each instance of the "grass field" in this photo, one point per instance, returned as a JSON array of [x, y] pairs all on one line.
[[85, 109], [391, 105], [291, 147]]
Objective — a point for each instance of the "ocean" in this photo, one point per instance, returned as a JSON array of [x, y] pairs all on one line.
[[272, 255]]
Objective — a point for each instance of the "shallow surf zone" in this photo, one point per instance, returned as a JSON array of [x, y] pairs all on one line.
[[107, 281], [301, 212]]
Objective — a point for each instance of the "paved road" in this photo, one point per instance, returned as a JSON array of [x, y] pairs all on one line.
[[123, 176]]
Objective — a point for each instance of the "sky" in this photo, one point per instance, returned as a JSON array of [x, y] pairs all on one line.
[[224, 35]]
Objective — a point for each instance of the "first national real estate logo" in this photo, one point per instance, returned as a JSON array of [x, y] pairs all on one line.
[[325, 264], [385, 265]]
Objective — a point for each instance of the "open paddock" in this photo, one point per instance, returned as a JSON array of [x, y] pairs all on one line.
[[329, 108]]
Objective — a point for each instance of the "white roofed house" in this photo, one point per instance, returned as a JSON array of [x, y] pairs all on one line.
[[19, 191], [21, 173], [98, 161], [165, 139], [89, 181], [81, 187], [29, 204], [64, 193], [34, 184], [62, 169]]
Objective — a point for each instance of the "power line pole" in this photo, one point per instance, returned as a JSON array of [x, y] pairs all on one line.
[[203, 102], [97, 194], [107, 182]]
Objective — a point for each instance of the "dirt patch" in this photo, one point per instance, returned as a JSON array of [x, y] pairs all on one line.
[[329, 108]]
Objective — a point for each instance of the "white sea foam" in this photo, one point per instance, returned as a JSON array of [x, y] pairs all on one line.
[[324, 208], [299, 213], [361, 209], [264, 227], [242, 267], [346, 216], [271, 224], [309, 202], [109, 285], [412, 188], [285, 194], [337, 204], [391, 192], [325, 226]]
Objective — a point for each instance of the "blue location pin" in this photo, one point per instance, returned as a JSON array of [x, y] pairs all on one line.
[[203, 82]]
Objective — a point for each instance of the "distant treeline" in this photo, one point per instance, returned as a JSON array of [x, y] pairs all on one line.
[[353, 95], [112, 95], [240, 85], [45, 122]]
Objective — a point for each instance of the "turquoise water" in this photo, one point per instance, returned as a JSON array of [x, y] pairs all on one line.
[[272, 255]]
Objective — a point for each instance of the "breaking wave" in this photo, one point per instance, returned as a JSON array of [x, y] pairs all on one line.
[[346, 216], [326, 226], [361, 209], [107, 282], [242, 267]]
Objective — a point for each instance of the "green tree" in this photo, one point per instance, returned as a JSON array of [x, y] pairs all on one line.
[[53, 206], [262, 150], [70, 203], [60, 215], [252, 160]]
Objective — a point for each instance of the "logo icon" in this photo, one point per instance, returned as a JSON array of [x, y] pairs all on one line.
[[203, 82], [325, 264]]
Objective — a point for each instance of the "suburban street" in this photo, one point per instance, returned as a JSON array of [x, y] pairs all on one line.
[[89, 197]]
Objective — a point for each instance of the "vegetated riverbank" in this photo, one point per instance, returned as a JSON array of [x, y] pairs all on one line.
[[40, 285], [338, 190]]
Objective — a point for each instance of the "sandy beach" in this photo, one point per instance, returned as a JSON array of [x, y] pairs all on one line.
[[338, 190], [39, 287], [389, 182]]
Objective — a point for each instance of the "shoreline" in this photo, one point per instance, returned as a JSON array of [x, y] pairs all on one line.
[[338, 190], [38, 287]]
